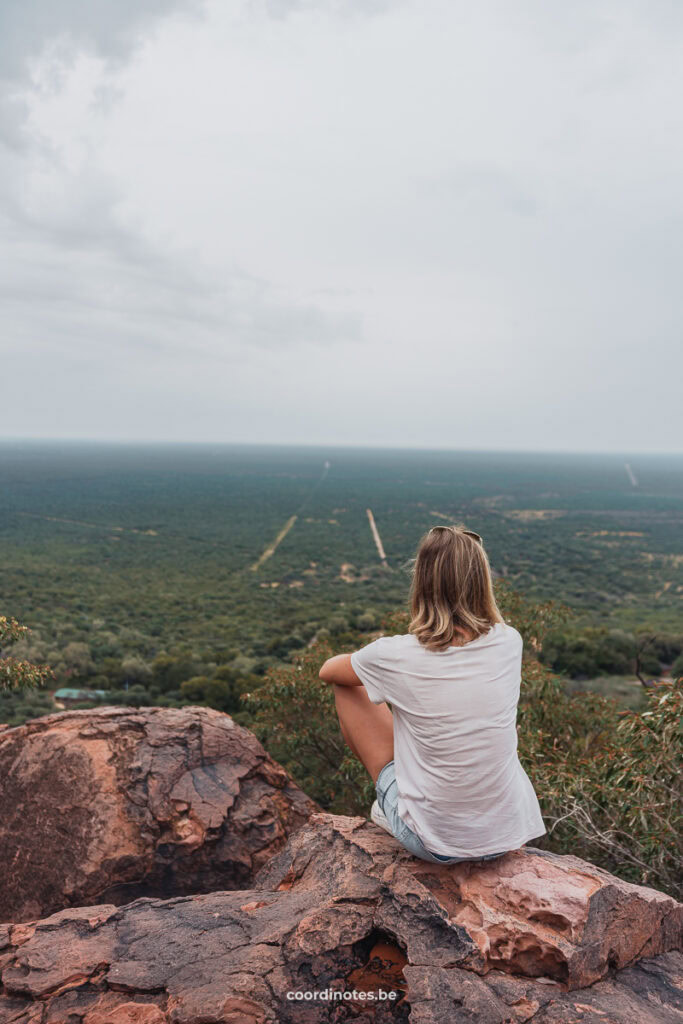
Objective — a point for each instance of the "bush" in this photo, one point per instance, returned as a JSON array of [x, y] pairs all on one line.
[[135, 670], [593, 652], [293, 714], [135, 697], [18, 706], [608, 781], [169, 671]]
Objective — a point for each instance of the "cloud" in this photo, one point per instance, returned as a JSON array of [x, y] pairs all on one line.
[[112, 30], [96, 281], [240, 221], [83, 282], [337, 8]]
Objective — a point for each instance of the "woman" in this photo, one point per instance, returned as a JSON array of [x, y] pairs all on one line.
[[449, 784]]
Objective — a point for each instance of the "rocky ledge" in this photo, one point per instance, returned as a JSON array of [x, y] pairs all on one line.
[[111, 804], [342, 908]]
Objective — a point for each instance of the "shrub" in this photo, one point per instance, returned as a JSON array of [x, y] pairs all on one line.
[[608, 780]]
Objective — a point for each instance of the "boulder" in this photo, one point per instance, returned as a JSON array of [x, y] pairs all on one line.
[[344, 912], [110, 804]]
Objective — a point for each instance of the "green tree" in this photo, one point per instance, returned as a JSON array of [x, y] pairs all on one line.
[[220, 691], [134, 670], [169, 671], [75, 663]]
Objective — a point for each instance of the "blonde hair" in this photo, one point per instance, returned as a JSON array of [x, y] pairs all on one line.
[[451, 588]]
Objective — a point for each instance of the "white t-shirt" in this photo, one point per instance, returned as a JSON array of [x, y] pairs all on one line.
[[461, 787]]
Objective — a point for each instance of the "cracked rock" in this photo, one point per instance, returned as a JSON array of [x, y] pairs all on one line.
[[105, 805], [342, 908]]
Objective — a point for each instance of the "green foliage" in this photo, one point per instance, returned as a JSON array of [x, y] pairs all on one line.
[[293, 714], [135, 696], [17, 706], [170, 671], [625, 690], [598, 651], [220, 691], [174, 532], [609, 781], [11, 631], [75, 663], [535, 620], [16, 674]]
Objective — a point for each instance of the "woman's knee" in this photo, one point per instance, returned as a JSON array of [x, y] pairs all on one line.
[[349, 697]]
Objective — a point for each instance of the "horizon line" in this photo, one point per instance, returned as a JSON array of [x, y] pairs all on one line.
[[143, 442]]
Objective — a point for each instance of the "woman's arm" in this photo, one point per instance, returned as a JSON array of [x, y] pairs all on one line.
[[338, 670]]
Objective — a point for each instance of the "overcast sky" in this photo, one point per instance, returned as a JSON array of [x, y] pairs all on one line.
[[420, 223]]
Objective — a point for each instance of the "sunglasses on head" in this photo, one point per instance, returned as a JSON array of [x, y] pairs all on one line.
[[454, 529]]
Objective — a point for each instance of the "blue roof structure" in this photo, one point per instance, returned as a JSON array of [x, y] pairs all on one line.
[[67, 694]]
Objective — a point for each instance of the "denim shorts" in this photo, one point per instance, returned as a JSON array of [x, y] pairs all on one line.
[[387, 798]]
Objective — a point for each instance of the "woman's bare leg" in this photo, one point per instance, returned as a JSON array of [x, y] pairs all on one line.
[[367, 728]]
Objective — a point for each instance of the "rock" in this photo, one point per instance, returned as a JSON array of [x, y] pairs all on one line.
[[110, 804], [341, 908], [531, 912]]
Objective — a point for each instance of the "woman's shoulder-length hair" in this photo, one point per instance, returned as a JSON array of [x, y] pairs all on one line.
[[451, 590]]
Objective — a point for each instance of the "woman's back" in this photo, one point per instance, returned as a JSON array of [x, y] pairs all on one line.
[[461, 786]]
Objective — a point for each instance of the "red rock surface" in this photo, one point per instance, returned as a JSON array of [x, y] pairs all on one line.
[[110, 804], [533, 936]]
